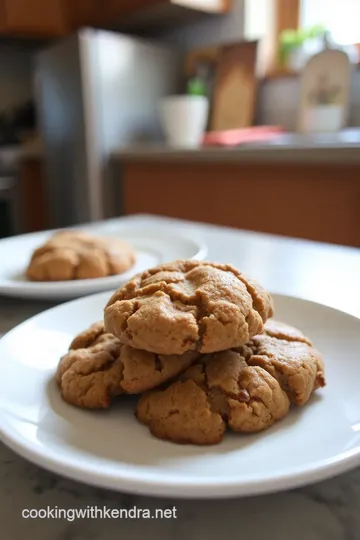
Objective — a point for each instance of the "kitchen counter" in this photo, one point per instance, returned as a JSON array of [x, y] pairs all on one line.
[[325, 511], [14, 155], [288, 148], [25, 161]]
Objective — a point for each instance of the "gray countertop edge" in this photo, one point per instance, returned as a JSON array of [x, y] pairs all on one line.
[[349, 154]]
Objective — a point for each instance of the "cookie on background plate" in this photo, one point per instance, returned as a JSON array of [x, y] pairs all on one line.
[[188, 305], [71, 255], [98, 368], [245, 390]]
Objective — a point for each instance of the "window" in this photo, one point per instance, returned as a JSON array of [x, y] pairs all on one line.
[[340, 17], [258, 15], [267, 19]]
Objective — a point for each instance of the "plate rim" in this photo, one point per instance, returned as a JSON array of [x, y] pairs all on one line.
[[173, 487], [208, 489]]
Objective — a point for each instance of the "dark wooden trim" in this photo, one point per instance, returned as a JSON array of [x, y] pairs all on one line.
[[33, 196]]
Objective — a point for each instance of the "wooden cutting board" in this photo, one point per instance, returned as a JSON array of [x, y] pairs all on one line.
[[235, 88]]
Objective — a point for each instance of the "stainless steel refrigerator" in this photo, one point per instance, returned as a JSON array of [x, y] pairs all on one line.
[[96, 91]]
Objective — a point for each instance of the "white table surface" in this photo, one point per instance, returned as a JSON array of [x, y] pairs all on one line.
[[325, 511]]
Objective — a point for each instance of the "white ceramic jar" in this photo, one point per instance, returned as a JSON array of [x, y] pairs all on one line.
[[184, 119], [324, 119]]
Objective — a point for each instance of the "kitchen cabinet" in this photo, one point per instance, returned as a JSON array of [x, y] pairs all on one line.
[[140, 14], [35, 18], [54, 18], [33, 195], [119, 8], [315, 201], [81, 13], [2, 16]]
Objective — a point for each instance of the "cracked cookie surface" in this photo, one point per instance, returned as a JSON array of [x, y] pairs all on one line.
[[98, 368], [239, 389], [188, 305], [285, 353], [220, 390], [71, 255]]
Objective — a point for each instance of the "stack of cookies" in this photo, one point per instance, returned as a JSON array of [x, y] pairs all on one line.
[[198, 342]]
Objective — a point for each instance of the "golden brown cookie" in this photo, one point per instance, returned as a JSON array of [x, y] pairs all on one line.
[[285, 353], [98, 368], [90, 337], [70, 255], [246, 389], [219, 390], [188, 305]]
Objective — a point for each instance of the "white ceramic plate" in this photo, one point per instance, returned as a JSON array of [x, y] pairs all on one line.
[[153, 246], [110, 449]]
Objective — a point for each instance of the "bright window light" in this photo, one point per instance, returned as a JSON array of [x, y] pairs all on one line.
[[340, 17]]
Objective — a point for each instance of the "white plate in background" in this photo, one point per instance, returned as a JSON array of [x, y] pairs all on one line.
[[112, 450], [153, 246]]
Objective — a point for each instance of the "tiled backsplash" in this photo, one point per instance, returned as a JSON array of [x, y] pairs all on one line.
[[278, 101]]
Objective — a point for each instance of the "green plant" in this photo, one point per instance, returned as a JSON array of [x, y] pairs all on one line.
[[196, 87], [290, 40], [316, 31]]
